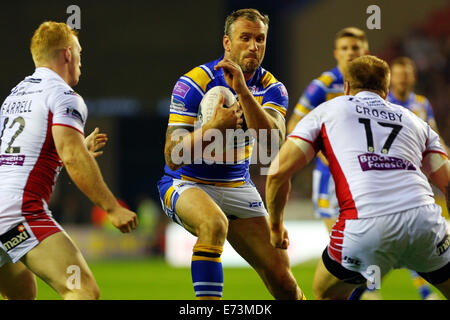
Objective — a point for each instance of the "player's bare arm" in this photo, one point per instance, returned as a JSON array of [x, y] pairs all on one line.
[[293, 156], [437, 166], [181, 139], [85, 173]]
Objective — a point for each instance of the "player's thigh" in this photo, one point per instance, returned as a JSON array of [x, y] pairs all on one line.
[[197, 210], [56, 259], [17, 282], [327, 286], [250, 237]]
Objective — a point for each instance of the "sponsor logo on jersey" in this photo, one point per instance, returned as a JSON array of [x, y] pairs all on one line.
[[255, 204], [373, 161], [71, 93], [443, 245], [12, 160], [14, 237], [181, 89], [351, 260], [177, 105], [74, 114], [283, 91]]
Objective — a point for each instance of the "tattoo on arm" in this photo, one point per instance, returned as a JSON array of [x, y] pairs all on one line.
[[171, 144]]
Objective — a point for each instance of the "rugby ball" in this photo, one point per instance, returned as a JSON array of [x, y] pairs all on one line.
[[210, 100]]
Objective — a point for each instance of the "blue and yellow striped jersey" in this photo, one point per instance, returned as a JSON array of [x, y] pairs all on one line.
[[416, 103], [329, 85], [186, 97]]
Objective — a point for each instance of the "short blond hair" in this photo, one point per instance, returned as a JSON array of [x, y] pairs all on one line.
[[48, 39], [352, 32], [368, 73]]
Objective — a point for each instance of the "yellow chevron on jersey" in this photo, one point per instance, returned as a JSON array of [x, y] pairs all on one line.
[[301, 110], [268, 79], [281, 110], [200, 77], [181, 119], [420, 98], [326, 79]]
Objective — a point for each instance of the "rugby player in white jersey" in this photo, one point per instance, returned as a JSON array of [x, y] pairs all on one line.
[[376, 150], [42, 128]]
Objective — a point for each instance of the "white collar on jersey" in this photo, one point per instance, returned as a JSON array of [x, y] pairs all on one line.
[[369, 94], [47, 72]]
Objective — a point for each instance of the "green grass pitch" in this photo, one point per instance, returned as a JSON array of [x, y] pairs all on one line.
[[153, 279]]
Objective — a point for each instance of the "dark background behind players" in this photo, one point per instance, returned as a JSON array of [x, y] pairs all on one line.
[[135, 50]]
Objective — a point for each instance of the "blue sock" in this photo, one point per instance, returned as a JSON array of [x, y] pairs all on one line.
[[207, 272]]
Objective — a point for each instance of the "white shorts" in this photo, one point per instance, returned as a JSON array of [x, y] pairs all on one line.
[[235, 202], [19, 231], [416, 239]]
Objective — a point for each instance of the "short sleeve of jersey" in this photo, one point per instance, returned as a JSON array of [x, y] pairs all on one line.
[[69, 110], [314, 95], [276, 98], [185, 101], [308, 128], [433, 143]]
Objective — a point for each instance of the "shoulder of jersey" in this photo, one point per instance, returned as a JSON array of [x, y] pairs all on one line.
[[421, 99], [327, 78], [203, 74], [267, 79]]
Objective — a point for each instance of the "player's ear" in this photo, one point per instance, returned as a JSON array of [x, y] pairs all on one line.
[[67, 54], [226, 43]]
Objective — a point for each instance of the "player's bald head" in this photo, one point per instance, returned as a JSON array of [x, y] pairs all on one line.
[[368, 73]]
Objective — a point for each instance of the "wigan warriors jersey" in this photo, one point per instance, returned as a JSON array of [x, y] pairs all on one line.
[[375, 150], [29, 163]]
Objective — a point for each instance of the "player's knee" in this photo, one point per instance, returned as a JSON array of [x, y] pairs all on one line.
[[25, 288], [216, 227], [87, 292]]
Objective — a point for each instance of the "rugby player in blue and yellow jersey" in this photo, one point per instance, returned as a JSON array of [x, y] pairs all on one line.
[[217, 201], [350, 43]]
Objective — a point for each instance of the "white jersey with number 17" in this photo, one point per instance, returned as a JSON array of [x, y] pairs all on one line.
[[375, 150]]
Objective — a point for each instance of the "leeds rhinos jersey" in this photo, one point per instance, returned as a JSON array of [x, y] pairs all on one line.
[[186, 96], [329, 85], [375, 150], [29, 163], [418, 104]]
